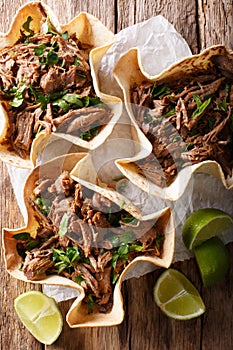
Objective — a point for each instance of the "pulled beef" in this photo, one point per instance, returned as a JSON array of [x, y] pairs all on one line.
[[46, 84], [187, 121], [37, 262], [80, 236]]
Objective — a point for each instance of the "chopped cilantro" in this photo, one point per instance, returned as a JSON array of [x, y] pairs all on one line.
[[65, 35], [176, 139], [148, 118], [189, 146], [115, 277], [227, 88], [169, 113], [63, 225], [89, 134], [26, 26], [52, 58], [66, 259], [127, 218], [47, 27], [23, 236], [18, 96], [122, 203], [79, 279], [160, 90], [43, 204], [159, 241], [90, 303], [40, 50], [76, 61], [201, 106]]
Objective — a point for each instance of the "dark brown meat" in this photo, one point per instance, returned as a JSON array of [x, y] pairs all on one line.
[[37, 262], [24, 130]]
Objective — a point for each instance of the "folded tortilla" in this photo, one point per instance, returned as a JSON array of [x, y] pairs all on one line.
[[130, 74], [80, 164], [31, 19]]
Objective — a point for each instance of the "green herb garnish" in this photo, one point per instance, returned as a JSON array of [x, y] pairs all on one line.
[[66, 259], [160, 90], [76, 61], [90, 304], [52, 58], [122, 203], [89, 134], [115, 277], [63, 225], [79, 279], [128, 219], [47, 27], [43, 205], [18, 96], [201, 106], [159, 241], [40, 50], [148, 119], [65, 35], [23, 236], [26, 26], [169, 113]]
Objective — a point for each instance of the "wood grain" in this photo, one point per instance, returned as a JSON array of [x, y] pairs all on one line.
[[215, 23], [202, 23], [182, 14]]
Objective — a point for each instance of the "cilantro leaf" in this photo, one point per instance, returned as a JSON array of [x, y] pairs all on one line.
[[23, 236], [40, 50], [160, 90], [63, 225], [18, 96], [47, 27], [65, 35], [43, 204], [52, 58], [201, 106], [26, 26]]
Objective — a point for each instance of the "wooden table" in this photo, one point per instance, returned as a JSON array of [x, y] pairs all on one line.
[[202, 23]]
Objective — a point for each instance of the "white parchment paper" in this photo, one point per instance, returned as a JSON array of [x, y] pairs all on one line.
[[160, 45]]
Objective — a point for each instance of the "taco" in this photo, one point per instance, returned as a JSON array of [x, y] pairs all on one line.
[[47, 84], [184, 117], [78, 235]]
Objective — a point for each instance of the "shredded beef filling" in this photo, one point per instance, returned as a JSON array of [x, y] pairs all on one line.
[[187, 121], [46, 84], [84, 237]]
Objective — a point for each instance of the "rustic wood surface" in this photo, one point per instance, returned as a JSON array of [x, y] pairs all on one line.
[[202, 23]]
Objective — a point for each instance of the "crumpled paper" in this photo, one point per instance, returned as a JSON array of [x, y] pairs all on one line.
[[160, 46]]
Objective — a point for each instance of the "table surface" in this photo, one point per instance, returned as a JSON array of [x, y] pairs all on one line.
[[202, 23]]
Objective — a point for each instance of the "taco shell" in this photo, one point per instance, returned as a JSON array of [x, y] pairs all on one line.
[[77, 315], [129, 71]]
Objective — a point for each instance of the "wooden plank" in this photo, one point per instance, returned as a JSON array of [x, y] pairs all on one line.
[[144, 327], [65, 11], [217, 320], [182, 14], [215, 27], [215, 23], [13, 334]]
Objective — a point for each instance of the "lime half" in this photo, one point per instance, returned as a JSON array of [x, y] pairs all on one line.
[[40, 315], [177, 297], [204, 224], [213, 260]]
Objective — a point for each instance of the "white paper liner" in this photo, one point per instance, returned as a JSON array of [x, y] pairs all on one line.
[[160, 46]]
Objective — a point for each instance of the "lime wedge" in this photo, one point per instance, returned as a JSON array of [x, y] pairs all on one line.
[[177, 297], [213, 260], [204, 224], [40, 315]]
